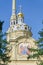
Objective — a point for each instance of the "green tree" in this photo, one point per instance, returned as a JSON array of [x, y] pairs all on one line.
[[4, 58], [39, 50], [40, 46]]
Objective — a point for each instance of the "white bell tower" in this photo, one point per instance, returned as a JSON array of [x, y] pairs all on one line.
[[13, 16]]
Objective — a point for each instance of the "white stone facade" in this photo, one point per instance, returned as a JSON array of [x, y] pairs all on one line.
[[19, 36]]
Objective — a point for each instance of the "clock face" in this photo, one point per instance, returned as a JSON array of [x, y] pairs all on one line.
[[23, 49]]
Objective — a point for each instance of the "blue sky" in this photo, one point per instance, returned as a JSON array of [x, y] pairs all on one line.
[[33, 13]]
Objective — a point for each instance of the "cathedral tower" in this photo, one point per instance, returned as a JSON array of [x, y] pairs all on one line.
[[19, 36], [13, 16]]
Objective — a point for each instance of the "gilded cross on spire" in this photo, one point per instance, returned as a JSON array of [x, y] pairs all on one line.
[[20, 8]]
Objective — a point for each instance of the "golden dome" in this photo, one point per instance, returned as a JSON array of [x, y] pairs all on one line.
[[20, 15]]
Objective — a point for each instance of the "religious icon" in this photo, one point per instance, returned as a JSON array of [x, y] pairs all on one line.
[[23, 49]]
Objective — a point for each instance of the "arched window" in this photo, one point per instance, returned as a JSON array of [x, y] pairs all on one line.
[[14, 22], [25, 28]]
